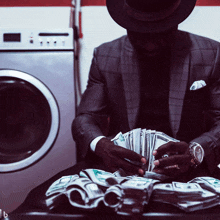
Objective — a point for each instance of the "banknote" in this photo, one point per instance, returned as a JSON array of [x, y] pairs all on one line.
[[186, 196], [84, 194], [208, 183], [120, 140], [143, 142], [136, 140], [61, 184], [130, 196], [81, 192]]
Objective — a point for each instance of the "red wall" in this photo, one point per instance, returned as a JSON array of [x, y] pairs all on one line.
[[9, 3], [199, 2]]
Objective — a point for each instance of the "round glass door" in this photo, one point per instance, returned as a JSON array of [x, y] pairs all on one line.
[[29, 120]]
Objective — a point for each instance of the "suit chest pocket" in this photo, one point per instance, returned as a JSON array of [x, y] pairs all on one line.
[[197, 100]]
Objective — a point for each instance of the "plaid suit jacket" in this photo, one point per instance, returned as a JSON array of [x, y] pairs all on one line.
[[113, 92]]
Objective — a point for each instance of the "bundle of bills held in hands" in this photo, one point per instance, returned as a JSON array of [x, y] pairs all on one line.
[[143, 142]]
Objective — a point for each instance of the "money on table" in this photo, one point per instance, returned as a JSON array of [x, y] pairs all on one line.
[[130, 194]]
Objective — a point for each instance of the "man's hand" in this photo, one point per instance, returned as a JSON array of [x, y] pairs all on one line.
[[172, 159], [115, 157]]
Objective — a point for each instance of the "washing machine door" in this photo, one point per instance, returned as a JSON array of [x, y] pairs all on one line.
[[29, 120]]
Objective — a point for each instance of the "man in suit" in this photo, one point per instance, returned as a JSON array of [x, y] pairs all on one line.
[[156, 77]]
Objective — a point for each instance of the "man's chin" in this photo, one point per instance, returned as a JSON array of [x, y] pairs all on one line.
[[151, 53], [147, 53]]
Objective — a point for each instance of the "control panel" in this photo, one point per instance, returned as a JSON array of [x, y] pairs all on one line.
[[35, 39]]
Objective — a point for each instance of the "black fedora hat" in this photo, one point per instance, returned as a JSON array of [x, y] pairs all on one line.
[[149, 16]]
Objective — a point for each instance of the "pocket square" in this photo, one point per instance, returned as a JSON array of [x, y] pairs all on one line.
[[198, 85]]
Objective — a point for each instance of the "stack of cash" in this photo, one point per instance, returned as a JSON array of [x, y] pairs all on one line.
[[60, 185], [187, 196], [130, 196], [57, 190], [143, 142], [103, 178], [208, 183], [80, 191], [127, 194]]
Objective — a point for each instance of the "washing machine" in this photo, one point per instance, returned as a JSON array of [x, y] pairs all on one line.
[[37, 107]]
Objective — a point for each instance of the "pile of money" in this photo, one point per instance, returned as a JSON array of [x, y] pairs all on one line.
[[143, 142], [103, 178], [208, 183], [127, 194], [80, 191], [130, 196], [186, 196], [60, 185]]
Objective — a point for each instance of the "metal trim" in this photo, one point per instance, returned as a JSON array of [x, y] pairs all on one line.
[[54, 121]]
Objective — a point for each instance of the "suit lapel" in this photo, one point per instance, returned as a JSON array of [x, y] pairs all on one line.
[[130, 76], [180, 60]]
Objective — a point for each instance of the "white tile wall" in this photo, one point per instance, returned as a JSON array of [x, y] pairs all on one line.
[[98, 27], [34, 17]]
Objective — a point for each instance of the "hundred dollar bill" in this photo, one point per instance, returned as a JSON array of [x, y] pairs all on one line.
[[208, 183], [103, 178], [97, 176], [113, 196], [80, 191], [131, 140], [120, 140], [148, 148], [183, 196], [162, 138], [130, 196], [143, 143], [84, 194], [155, 176], [191, 206], [61, 184], [187, 188], [136, 140]]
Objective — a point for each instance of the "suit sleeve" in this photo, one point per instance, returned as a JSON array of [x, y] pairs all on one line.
[[92, 112], [210, 140]]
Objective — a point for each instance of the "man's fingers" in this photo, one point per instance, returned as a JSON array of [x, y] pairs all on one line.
[[168, 172], [126, 166], [171, 147], [129, 154], [174, 160]]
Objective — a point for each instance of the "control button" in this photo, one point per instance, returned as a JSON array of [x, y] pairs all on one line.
[[31, 41], [48, 41], [55, 41], [63, 42], [41, 41]]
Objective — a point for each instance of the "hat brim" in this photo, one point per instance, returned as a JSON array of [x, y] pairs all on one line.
[[120, 16]]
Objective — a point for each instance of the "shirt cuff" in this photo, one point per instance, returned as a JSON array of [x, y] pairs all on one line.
[[94, 142]]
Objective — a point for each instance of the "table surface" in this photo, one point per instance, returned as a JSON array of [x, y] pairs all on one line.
[[208, 215], [34, 208]]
